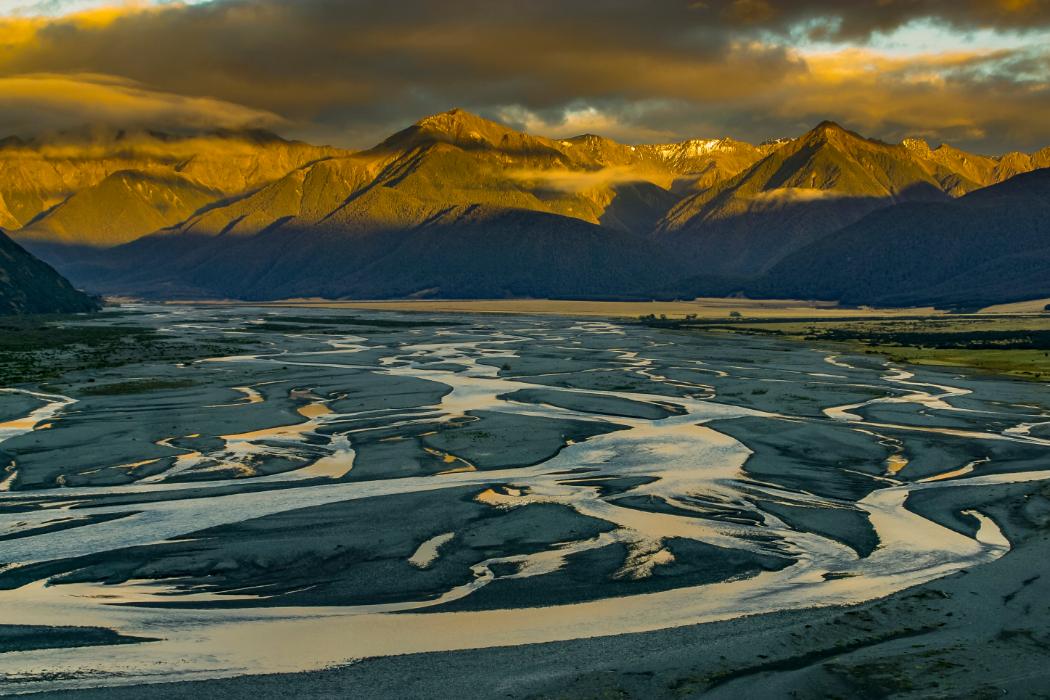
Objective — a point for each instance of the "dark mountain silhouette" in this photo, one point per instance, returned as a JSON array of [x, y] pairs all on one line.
[[30, 286], [990, 246]]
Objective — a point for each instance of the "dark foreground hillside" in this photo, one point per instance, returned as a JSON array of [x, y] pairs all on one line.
[[31, 286]]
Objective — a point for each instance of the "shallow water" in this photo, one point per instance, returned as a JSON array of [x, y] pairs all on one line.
[[257, 525]]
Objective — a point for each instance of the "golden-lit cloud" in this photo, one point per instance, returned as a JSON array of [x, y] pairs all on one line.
[[56, 102], [955, 96], [576, 120], [21, 32], [575, 181], [785, 195], [351, 71]]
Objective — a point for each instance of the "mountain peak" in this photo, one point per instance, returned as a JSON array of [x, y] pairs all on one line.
[[448, 115], [457, 119], [833, 133], [775, 143], [460, 128], [828, 125], [918, 146], [589, 137]]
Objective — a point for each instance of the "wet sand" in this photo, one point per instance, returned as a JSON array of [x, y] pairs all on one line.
[[421, 486], [930, 641], [704, 308], [28, 637], [978, 633]]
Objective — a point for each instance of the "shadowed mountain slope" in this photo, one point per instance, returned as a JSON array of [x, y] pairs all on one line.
[[809, 187], [394, 246], [30, 286], [991, 246]]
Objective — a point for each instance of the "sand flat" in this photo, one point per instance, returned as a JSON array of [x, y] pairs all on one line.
[[622, 480], [703, 308]]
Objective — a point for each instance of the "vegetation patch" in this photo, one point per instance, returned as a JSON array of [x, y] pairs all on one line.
[[1016, 345], [20, 334], [136, 386], [41, 348]]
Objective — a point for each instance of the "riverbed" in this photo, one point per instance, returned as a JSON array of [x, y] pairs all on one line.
[[360, 484]]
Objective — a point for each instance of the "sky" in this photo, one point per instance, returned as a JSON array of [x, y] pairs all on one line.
[[973, 73]]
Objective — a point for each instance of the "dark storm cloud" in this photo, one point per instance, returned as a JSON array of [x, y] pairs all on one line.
[[352, 71]]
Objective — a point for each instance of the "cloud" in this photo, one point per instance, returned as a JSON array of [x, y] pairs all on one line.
[[859, 19], [57, 102], [970, 97], [624, 123], [37, 8], [790, 195], [352, 71], [572, 181]]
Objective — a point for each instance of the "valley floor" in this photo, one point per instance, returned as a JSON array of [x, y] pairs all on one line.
[[981, 633], [712, 307], [256, 502]]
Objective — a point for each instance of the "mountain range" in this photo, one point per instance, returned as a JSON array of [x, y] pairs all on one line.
[[989, 246], [460, 206]]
